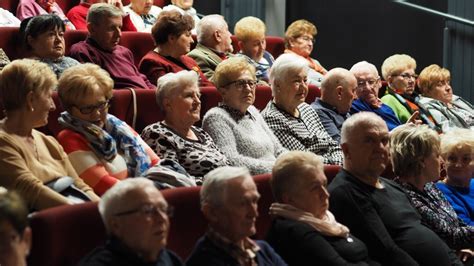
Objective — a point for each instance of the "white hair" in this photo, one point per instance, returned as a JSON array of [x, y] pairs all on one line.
[[169, 83], [215, 183], [207, 26], [285, 64], [364, 66], [117, 195], [357, 120]]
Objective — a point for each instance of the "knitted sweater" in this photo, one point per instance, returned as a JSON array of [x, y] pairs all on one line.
[[245, 139]]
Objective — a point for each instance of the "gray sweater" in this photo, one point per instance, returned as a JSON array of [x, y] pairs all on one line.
[[245, 139]]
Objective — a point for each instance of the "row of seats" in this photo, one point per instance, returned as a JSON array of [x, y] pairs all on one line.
[[63, 235], [139, 43]]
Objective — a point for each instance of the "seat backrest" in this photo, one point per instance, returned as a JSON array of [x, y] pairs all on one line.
[[9, 5], [275, 45], [313, 93], [10, 42], [66, 5], [266, 199], [331, 171], [148, 111], [140, 43], [73, 36]]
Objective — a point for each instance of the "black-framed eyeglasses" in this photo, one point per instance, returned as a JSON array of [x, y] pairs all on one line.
[[361, 83], [407, 76], [243, 83], [149, 210], [87, 110]]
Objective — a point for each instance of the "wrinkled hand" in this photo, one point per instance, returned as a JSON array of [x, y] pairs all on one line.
[[414, 119]]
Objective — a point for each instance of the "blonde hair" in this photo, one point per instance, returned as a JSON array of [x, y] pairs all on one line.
[[249, 28], [456, 139], [290, 168], [299, 28], [81, 80], [21, 77], [431, 75], [409, 145], [396, 64], [230, 69]]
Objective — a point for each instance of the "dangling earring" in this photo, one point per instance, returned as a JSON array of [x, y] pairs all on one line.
[[32, 109]]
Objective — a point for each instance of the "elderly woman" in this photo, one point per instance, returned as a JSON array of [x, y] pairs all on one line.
[[172, 35], [184, 7], [305, 232], [457, 149], [143, 14], [31, 8], [250, 33], [295, 123], [44, 39], [28, 158], [415, 155], [448, 110], [176, 138], [299, 39], [236, 125], [102, 148]]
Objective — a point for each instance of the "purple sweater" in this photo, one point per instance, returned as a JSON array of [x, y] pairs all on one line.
[[119, 63]]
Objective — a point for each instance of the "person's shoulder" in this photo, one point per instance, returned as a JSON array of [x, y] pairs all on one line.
[[216, 113], [169, 258], [98, 257], [269, 110]]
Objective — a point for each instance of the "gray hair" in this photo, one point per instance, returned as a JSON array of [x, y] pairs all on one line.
[[168, 84], [283, 65], [455, 139], [215, 183], [363, 66], [113, 199], [361, 119], [97, 12], [207, 26]]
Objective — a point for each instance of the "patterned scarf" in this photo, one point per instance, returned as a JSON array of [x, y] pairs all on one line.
[[104, 141], [311, 63]]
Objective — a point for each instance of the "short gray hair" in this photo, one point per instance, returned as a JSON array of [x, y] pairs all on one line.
[[362, 66], [455, 139], [355, 121], [214, 187], [112, 200], [99, 11], [168, 84], [207, 26], [283, 65]]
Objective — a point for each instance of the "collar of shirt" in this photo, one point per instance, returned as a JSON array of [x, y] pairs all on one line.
[[236, 114]]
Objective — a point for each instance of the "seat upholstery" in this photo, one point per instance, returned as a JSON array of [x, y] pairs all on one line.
[[140, 43], [72, 37], [9, 5], [10, 42]]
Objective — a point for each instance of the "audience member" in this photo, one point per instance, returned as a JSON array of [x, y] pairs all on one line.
[[4, 60], [291, 119], [229, 199], [176, 138], [44, 39], [102, 148], [31, 8], [104, 22], [15, 234], [236, 125], [185, 7], [173, 39], [447, 110], [299, 39], [368, 85], [337, 93], [7, 19], [214, 44], [143, 14], [29, 159], [304, 231], [457, 149], [78, 14], [416, 159], [136, 217], [374, 208], [250, 33]]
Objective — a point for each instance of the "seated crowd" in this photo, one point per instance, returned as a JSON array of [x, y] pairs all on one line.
[[425, 216]]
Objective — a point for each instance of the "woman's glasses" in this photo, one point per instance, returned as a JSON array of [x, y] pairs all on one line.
[[89, 109]]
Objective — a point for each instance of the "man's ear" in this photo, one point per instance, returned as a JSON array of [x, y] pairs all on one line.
[[339, 90], [345, 150], [209, 213], [217, 36], [90, 27], [26, 239]]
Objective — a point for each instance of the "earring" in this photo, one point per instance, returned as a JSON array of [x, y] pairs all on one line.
[[32, 109]]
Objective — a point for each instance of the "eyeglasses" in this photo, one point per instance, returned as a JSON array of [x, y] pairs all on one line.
[[371, 82], [149, 210], [87, 110], [406, 76], [242, 84], [306, 39], [465, 160]]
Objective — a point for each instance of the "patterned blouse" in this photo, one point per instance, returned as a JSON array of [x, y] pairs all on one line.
[[305, 133], [198, 157], [439, 215], [59, 65]]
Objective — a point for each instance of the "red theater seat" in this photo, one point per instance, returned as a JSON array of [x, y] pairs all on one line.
[[9, 5], [66, 5], [148, 111], [10, 42], [140, 43], [73, 36], [275, 45]]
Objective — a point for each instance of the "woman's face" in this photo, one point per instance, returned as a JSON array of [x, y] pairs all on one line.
[[460, 163], [441, 91], [254, 47], [302, 45], [432, 167], [49, 44], [182, 43], [42, 104], [404, 83], [240, 93], [184, 4], [92, 107], [293, 89], [185, 106], [142, 7]]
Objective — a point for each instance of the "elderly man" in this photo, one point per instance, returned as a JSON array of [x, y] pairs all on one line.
[[214, 44], [135, 215], [337, 93], [104, 22], [229, 199], [375, 209], [368, 85]]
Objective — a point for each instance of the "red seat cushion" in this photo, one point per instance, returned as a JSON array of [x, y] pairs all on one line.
[[9, 5], [147, 108], [10, 42], [73, 36], [140, 43]]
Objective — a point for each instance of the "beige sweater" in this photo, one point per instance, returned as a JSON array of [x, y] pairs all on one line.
[[20, 170]]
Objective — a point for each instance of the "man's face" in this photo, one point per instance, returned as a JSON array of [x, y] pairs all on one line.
[[366, 151], [142, 224], [368, 85], [235, 217], [107, 33], [225, 40]]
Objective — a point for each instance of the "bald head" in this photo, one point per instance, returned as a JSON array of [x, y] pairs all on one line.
[[337, 89]]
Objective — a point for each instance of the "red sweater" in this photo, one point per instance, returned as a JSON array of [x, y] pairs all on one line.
[[77, 15]]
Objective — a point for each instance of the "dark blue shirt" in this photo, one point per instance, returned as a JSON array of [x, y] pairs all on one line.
[[385, 112], [330, 118]]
